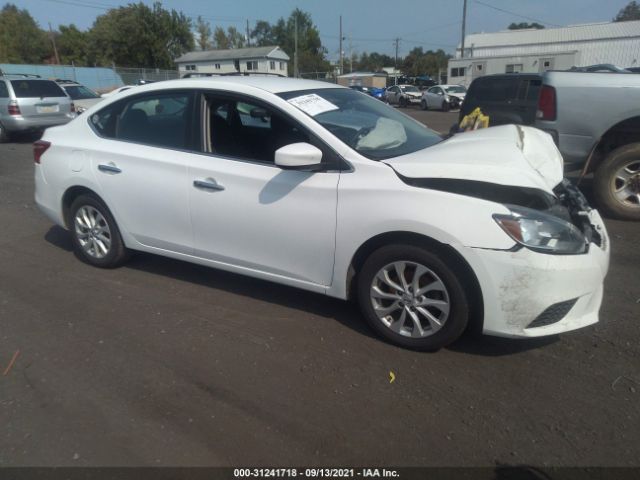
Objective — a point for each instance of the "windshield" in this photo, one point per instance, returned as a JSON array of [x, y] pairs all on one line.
[[409, 89], [78, 92], [368, 126], [456, 89]]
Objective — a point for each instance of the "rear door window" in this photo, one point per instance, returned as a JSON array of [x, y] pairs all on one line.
[[36, 89]]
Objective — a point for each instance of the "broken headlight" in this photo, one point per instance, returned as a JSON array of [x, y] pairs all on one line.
[[542, 232]]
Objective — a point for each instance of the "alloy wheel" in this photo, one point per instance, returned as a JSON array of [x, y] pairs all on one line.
[[626, 184], [410, 299], [92, 231]]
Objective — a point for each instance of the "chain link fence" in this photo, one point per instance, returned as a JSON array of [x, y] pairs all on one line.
[[131, 76]]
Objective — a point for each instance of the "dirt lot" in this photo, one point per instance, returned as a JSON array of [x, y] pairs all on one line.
[[166, 363]]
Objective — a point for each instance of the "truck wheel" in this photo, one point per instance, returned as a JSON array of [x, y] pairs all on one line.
[[617, 183]]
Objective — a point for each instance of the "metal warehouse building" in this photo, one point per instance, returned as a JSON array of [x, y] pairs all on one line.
[[534, 50]]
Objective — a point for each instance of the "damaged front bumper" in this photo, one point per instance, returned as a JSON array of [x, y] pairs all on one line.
[[531, 294]]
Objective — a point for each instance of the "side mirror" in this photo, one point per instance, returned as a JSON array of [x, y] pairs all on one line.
[[298, 156]]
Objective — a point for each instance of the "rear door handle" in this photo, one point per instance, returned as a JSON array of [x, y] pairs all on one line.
[[208, 184], [109, 168]]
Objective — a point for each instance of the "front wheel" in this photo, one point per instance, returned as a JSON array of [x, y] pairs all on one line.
[[423, 105], [617, 183], [95, 234], [403, 102], [412, 297], [446, 107]]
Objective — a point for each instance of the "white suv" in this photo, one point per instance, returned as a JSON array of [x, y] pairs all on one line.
[[322, 188]]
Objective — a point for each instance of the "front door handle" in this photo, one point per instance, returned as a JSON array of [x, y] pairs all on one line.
[[109, 168], [208, 184]]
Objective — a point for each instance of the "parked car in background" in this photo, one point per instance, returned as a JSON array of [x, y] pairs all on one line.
[[403, 95], [83, 98], [327, 192], [30, 103], [378, 93], [443, 97], [360, 88], [504, 98]]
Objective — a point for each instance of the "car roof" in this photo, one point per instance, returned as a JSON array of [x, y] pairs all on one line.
[[270, 84]]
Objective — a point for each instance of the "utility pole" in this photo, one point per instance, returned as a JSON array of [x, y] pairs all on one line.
[[350, 55], [53, 41], [248, 34], [341, 60], [295, 50], [395, 66], [464, 24]]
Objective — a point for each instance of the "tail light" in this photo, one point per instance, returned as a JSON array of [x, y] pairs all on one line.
[[39, 148], [14, 109], [547, 103], [73, 107]]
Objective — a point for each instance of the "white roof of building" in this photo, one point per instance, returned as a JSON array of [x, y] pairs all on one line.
[[233, 54], [572, 33]]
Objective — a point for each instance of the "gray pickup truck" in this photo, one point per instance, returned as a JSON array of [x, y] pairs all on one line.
[[594, 119]]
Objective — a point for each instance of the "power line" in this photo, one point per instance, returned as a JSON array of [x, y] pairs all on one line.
[[515, 14]]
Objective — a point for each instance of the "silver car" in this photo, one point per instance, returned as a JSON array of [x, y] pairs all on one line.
[[29, 103], [83, 98]]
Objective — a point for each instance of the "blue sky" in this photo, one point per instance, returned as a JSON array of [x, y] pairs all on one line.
[[368, 25]]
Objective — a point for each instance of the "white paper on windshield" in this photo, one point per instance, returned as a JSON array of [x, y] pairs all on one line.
[[312, 104]]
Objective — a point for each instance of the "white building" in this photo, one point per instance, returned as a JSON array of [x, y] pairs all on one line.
[[253, 59], [534, 50]]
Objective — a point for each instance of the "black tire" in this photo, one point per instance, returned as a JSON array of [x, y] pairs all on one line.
[[423, 105], [117, 253], [456, 322], [446, 107], [4, 135], [605, 183], [402, 102]]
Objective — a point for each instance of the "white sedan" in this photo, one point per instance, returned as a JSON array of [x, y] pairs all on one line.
[[325, 189], [443, 97]]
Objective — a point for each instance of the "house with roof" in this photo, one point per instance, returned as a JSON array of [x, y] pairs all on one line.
[[270, 59], [536, 51]]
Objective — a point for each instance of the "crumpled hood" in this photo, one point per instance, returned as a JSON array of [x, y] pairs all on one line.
[[505, 155], [457, 95]]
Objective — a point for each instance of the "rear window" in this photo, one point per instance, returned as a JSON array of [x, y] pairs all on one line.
[[36, 89], [494, 89]]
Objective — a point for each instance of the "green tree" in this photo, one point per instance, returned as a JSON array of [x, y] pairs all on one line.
[[311, 53], [262, 34], [72, 45], [204, 34], [630, 12], [373, 62], [140, 36], [523, 25], [21, 40], [236, 39], [220, 39], [418, 62]]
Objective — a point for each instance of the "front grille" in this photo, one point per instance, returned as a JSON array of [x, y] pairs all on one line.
[[553, 314]]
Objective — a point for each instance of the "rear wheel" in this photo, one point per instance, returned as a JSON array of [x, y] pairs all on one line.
[[412, 297], [95, 234], [617, 183]]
